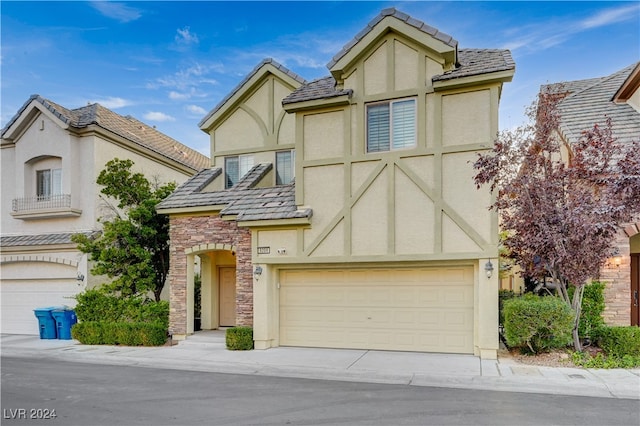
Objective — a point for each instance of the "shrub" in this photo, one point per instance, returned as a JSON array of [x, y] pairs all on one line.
[[119, 333], [502, 296], [619, 341], [592, 309], [600, 361], [96, 305], [239, 338], [537, 323]]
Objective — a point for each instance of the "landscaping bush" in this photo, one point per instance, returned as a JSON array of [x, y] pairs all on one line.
[[119, 333], [502, 296], [239, 338], [537, 324], [96, 305], [592, 309], [619, 341]]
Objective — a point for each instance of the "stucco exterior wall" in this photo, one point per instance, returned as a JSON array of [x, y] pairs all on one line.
[[419, 203]]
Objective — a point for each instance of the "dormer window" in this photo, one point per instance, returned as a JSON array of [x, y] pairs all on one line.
[[391, 125], [48, 183]]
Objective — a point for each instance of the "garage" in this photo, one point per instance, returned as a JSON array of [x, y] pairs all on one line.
[[408, 309], [28, 285]]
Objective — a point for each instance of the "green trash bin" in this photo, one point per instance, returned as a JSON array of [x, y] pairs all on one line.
[[47, 324], [64, 318]]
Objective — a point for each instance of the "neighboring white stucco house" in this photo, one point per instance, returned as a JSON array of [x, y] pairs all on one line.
[[51, 157]]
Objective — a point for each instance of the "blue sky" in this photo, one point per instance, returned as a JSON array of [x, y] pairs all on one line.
[[168, 63]]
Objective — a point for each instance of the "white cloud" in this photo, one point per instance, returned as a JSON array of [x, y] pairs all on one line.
[[544, 35], [185, 82], [196, 110], [118, 11], [186, 37], [158, 116], [112, 102], [611, 16]]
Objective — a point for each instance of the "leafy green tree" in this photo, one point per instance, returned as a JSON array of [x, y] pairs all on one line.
[[133, 248]]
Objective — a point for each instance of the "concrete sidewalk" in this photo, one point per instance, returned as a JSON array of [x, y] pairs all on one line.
[[205, 351]]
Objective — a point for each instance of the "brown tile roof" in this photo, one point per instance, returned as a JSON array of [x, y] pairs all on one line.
[[590, 102], [445, 38], [243, 200], [124, 126]]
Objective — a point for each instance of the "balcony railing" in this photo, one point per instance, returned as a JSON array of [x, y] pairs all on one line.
[[42, 202]]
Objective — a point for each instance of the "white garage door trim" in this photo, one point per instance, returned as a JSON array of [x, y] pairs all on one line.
[[410, 309]]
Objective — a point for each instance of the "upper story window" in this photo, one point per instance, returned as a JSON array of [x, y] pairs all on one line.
[[48, 183], [285, 166], [391, 125], [235, 167]]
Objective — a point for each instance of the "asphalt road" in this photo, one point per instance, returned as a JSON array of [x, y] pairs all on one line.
[[89, 394]]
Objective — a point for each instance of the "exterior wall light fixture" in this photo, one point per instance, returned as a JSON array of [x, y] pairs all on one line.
[[488, 268], [257, 272]]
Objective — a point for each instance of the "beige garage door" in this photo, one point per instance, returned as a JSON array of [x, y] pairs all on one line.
[[421, 309], [21, 297]]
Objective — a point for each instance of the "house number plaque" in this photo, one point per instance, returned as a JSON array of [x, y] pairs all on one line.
[[264, 250]]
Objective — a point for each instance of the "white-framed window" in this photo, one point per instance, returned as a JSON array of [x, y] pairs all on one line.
[[391, 125], [48, 183], [285, 166], [235, 168]]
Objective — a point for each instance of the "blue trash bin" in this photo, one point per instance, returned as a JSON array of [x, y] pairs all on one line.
[[46, 323], [65, 318]]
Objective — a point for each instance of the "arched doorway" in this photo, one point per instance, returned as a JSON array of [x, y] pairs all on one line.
[[217, 289]]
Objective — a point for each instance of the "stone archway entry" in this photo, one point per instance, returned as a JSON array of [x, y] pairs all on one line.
[[227, 296]]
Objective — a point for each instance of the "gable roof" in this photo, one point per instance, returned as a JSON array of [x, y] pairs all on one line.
[[592, 101], [126, 127], [393, 12], [263, 66]]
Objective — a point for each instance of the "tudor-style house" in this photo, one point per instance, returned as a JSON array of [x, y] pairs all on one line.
[[583, 104], [51, 157], [341, 212]]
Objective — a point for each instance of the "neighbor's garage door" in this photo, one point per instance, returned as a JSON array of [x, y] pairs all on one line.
[[426, 309], [21, 297]]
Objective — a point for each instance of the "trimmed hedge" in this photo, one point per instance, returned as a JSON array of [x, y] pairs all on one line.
[[619, 341], [537, 324], [119, 333], [96, 305], [502, 296], [239, 338]]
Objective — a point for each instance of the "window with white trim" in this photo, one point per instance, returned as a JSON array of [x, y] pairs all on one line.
[[48, 183], [285, 166], [235, 168], [391, 125]]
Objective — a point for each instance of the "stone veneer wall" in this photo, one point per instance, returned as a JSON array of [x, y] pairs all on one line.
[[190, 231], [617, 293]]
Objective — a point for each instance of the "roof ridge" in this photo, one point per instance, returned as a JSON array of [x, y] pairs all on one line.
[[395, 13], [598, 81]]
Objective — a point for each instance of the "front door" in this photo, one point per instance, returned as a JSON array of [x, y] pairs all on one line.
[[635, 289], [227, 297]]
